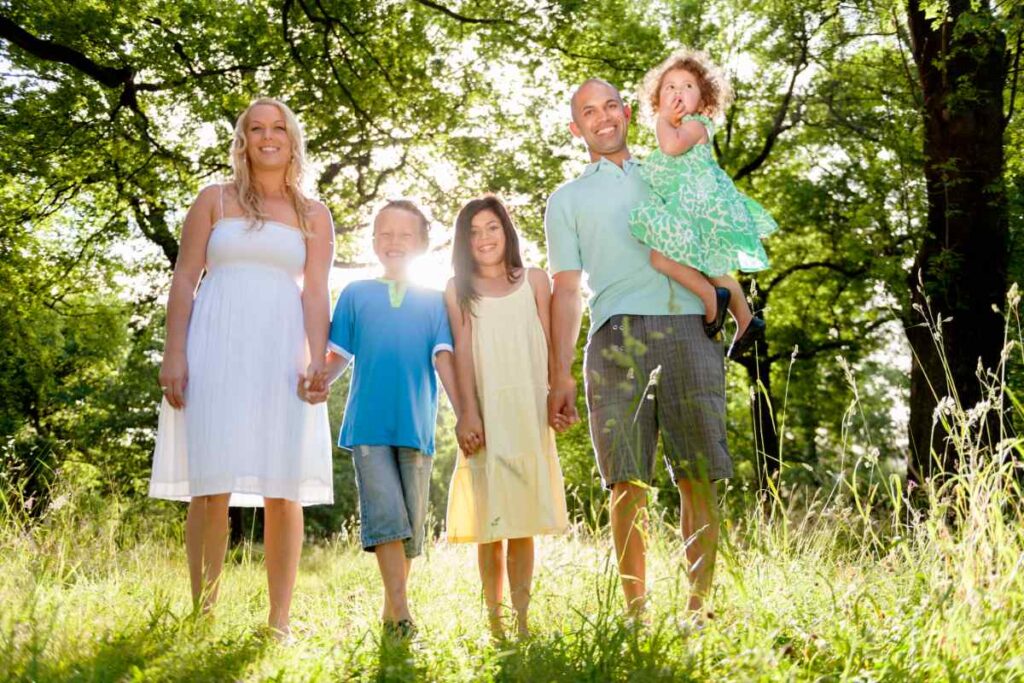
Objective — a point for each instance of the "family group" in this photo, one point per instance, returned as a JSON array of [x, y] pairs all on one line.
[[252, 350]]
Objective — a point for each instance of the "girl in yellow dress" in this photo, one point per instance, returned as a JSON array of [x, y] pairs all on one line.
[[507, 484]]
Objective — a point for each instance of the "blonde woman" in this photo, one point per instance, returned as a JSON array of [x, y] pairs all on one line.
[[233, 429]]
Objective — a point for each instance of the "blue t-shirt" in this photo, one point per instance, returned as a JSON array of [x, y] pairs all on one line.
[[392, 399]]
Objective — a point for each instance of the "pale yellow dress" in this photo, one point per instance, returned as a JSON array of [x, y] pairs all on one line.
[[513, 487]]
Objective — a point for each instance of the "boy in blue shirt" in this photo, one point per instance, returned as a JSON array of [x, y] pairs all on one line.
[[398, 335]]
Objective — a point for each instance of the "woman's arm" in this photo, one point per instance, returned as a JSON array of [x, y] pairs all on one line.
[[470, 428], [195, 233], [315, 297]]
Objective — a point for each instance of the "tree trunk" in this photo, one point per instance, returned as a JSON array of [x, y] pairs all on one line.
[[960, 270]]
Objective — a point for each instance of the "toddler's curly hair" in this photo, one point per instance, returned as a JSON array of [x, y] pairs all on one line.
[[715, 90]]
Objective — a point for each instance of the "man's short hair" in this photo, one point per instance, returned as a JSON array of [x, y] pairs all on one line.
[[592, 79]]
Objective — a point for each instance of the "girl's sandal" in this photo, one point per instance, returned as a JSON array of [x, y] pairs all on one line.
[[722, 307]]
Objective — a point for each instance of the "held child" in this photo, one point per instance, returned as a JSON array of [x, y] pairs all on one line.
[[398, 334], [507, 483], [698, 225]]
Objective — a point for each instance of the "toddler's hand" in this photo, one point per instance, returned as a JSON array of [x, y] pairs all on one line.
[[674, 112]]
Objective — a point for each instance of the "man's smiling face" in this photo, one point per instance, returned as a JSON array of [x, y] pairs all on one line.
[[600, 118]]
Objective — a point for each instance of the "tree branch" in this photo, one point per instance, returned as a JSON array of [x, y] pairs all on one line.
[[778, 124], [55, 52], [810, 265], [460, 17]]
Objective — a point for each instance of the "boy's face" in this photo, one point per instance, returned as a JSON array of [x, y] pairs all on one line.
[[397, 239]]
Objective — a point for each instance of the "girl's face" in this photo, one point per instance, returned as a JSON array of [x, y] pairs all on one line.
[[266, 138], [679, 85], [487, 239]]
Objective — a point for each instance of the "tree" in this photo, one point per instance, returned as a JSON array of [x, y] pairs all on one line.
[[959, 278]]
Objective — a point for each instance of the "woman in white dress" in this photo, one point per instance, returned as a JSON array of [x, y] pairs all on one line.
[[233, 429]]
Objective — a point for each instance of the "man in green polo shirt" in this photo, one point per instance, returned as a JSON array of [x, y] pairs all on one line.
[[672, 382]]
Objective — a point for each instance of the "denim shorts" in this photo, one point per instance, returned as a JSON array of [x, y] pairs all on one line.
[[394, 489], [648, 375]]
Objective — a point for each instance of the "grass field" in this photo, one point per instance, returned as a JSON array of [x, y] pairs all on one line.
[[842, 583], [93, 597]]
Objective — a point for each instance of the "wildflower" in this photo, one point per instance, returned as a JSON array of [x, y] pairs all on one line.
[[978, 411], [945, 406]]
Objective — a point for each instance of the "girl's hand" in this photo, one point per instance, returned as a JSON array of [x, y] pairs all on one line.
[[674, 112], [174, 378], [561, 422], [469, 431]]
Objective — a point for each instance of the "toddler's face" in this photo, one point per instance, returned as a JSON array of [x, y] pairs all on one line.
[[487, 238], [679, 85], [397, 238]]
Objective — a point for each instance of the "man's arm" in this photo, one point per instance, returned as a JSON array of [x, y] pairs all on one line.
[[566, 316]]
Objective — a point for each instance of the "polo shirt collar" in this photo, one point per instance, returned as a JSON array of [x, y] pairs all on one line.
[[603, 162]]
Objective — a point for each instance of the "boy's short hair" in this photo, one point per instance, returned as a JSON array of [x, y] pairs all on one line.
[[411, 207]]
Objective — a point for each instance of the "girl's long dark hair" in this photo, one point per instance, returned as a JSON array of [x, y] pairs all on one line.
[[462, 251]]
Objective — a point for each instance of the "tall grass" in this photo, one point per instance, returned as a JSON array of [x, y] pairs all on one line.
[[849, 582]]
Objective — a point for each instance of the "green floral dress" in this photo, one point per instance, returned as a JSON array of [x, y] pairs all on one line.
[[696, 216]]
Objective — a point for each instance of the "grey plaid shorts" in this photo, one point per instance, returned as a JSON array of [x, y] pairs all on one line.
[[630, 403]]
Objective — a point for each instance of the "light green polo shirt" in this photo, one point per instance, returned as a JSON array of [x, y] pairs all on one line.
[[587, 228]]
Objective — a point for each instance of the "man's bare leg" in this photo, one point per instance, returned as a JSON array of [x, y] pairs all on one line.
[[629, 501], [699, 522]]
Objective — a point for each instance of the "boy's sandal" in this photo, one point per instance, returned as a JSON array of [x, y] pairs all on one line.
[[753, 334], [722, 307]]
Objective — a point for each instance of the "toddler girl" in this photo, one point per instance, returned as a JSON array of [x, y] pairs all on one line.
[[698, 225]]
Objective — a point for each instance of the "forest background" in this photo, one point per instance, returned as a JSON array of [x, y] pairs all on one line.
[[850, 125]]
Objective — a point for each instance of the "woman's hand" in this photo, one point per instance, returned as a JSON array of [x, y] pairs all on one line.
[[312, 396], [316, 375], [174, 378], [469, 431]]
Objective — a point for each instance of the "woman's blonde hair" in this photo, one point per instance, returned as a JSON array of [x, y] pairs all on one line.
[[715, 89], [245, 190]]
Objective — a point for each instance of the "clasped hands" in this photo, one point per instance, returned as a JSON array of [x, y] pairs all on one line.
[[562, 414], [313, 386]]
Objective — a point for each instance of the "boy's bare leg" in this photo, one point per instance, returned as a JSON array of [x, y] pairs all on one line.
[[206, 542], [520, 580], [491, 560], [699, 522], [629, 502], [386, 614], [394, 572]]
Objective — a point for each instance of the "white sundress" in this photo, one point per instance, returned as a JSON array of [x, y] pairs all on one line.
[[243, 429]]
